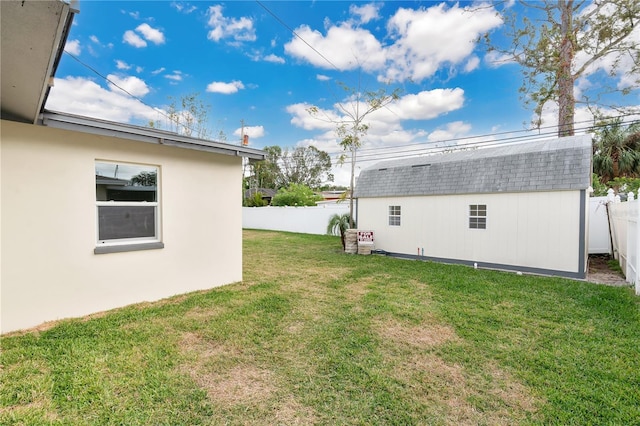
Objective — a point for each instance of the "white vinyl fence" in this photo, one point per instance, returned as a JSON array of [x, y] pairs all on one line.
[[625, 232], [304, 220]]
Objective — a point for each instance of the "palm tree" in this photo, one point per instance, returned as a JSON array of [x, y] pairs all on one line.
[[616, 151], [339, 222]]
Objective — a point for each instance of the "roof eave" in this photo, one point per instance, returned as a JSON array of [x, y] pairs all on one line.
[[142, 134], [60, 43]]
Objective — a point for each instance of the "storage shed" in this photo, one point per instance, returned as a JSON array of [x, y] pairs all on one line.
[[520, 207]]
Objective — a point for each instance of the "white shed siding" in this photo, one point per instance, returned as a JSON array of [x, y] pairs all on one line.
[[49, 269], [539, 230]]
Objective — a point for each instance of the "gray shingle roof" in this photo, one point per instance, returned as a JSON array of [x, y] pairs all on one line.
[[555, 164]]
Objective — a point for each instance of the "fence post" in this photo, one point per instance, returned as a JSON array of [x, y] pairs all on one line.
[[636, 257]]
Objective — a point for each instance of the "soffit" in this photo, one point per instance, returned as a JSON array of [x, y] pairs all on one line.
[[32, 38]]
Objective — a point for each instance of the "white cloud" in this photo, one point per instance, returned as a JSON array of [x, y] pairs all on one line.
[[121, 65], [73, 47], [472, 64], [421, 42], [451, 131], [183, 7], [131, 84], [322, 77], [254, 132], [365, 13], [343, 47], [133, 39], [225, 88], [429, 104], [274, 58], [82, 96], [385, 121], [94, 39], [158, 71], [303, 119], [237, 29], [176, 76], [427, 39], [496, 59], [151, 34]]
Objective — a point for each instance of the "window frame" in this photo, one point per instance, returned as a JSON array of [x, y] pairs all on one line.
[[133, 243], [477, 216], [395, 215]]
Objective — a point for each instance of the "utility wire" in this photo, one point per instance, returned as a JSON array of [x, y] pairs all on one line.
[[368, 152], [277, 18], [423, 149], [157, 110]]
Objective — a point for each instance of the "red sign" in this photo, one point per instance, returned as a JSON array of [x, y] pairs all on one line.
[[365, 236]]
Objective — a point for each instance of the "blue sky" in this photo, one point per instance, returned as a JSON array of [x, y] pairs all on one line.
[[246, 65]]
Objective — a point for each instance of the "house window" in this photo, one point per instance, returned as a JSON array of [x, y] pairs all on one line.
[[127, 206], [394, 215], [478, 216]]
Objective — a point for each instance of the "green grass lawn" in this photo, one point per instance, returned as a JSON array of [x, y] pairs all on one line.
[[315, 336]]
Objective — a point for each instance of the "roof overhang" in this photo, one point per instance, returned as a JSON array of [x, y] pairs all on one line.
[[144, 134], [33, 35]]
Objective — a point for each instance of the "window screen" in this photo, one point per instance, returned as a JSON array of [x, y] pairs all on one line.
[[126, 202]]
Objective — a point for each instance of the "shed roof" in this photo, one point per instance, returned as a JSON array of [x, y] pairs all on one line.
[[554, 164]]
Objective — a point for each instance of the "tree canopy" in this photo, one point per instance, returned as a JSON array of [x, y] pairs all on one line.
[[306, 166], [616, 150], [575, 41], [145, 179], [295, 195]]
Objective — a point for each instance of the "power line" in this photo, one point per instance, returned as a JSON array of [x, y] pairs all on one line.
[[157, 110], [277, 18], [369, 152], [509, 132], [424, 150]]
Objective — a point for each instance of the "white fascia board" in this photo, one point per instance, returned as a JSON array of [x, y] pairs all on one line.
[[142, 134]]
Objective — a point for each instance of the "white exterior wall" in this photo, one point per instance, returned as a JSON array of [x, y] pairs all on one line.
[[48, 228], [533, 230]]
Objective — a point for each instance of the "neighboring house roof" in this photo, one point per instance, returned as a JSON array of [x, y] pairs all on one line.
[[106, 180], [334, 195], [266, 192], [33, 35], [557, 164]]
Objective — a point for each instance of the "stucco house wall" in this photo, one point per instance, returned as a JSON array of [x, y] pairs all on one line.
[[536, 198], [48, 186]]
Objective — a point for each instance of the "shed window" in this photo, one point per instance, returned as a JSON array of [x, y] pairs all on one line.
[[127, 209], [394, 215], [478, 216]]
